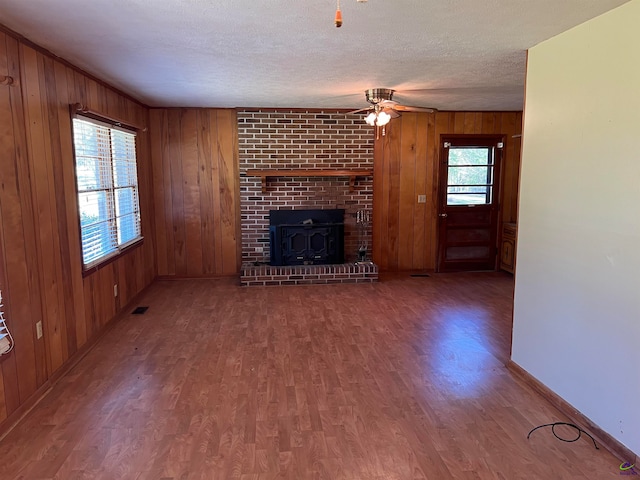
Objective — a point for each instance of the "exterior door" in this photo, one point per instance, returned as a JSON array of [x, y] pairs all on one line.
[[468, 202]]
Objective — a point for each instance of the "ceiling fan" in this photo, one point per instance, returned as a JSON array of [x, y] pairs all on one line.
[[383, 108]]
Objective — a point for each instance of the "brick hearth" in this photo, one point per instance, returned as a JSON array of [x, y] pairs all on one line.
[[264, 275]]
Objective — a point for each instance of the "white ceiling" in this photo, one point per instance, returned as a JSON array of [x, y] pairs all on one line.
[[447, 54]]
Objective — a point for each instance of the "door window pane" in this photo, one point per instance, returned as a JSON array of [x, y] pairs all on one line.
[[470, 156], [467, 199], [470, 176]]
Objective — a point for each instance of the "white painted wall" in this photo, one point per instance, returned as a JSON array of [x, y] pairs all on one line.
[[577, 298]]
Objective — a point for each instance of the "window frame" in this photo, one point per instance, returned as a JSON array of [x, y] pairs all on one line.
[[82, 114], [489, 185]]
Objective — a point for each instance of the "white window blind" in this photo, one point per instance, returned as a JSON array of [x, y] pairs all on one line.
[[107, 188]]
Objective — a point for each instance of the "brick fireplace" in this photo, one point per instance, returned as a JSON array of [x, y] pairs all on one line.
[[302, 140]]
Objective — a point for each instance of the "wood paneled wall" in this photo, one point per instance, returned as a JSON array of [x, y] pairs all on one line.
[[406, 165], [197, 193], [41, 265]]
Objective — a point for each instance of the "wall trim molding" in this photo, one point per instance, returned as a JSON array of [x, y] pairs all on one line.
[[233, 278], [577, 417]]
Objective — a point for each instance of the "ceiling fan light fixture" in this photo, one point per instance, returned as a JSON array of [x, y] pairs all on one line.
[[377, 118], [371, 119], [383, 118], [383, 108]]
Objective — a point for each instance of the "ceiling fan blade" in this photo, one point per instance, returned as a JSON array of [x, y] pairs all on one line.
[[391, 111], [359, 111], [462, 90], [407, 108]]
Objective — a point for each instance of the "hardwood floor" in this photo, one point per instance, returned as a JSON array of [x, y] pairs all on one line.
[[403, 379]]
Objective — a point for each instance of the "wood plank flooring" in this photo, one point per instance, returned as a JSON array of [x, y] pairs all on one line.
[[403, 379]]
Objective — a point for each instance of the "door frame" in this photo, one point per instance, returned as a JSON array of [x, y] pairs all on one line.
[[461, 139]]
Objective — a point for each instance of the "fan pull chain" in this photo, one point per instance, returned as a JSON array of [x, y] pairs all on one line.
[[338, 19]]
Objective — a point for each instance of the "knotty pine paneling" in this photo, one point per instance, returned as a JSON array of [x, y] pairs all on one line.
[[406, 165], [23, 371], [41, 274], [197, 191]]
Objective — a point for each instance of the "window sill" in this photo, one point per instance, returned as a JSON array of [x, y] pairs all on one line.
[[128, 248]]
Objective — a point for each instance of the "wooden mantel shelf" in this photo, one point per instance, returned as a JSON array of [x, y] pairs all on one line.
[[316, 172]]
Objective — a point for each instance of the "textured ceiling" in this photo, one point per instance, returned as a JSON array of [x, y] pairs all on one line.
[[447, 54]]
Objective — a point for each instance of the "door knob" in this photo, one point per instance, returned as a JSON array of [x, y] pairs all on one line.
[[443, 215]]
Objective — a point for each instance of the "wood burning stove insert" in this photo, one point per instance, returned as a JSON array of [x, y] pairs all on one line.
[[306, 237]]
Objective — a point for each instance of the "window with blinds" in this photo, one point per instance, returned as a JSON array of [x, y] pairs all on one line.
[[107, 188]]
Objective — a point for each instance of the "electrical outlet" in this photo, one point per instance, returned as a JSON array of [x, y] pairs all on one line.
[[259, 249], [422, 199], [115, 290], [39, 329]]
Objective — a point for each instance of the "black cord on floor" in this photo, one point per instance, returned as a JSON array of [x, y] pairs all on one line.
[[553, 430]]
